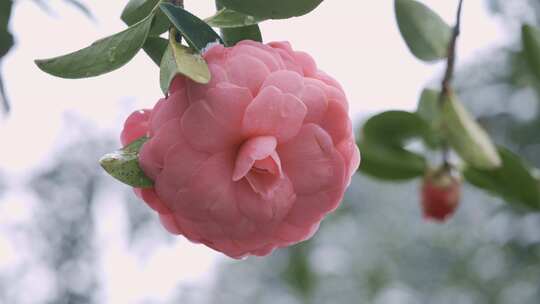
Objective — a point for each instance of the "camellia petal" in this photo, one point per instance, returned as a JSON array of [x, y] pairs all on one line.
[[168, 109], [311, 161], [213, 124], [274, 113], [136, 126], [253, 160]]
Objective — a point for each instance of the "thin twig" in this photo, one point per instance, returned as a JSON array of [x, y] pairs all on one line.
[[450, 66], [449, 74]]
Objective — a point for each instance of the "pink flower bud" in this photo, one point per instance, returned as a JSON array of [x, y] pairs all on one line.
[[441, 192]]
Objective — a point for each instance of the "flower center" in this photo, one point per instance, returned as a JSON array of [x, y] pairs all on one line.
[[259, 163]]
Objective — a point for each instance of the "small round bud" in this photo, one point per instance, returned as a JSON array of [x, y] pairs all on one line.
[[441, 192]]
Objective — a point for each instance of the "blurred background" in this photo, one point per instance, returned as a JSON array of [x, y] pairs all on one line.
[[71, 234]]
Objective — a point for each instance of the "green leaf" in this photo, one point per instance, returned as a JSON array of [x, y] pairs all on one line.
[[394, 128], [530, 36], [124, 165], [390, 163], [428, 106], [383, 145], [102, 56], [137, 10], [228, 18], [167, 70], [424, 32], [232, 36], [179, 59], [155, 48], [513, 181], [161, 24], [6, 39], [197, 33], [466, 136], [299, 273], [275, 9]]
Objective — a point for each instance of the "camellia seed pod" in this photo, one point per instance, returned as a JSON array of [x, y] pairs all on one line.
[[441, 192], [254, 159]]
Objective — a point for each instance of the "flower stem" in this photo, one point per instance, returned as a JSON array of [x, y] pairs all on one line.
[[450, 66], [449, 75]]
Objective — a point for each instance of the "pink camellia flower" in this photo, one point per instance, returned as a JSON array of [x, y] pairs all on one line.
[[253, 160]]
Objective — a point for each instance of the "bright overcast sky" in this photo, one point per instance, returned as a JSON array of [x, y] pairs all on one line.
[[355, 41]]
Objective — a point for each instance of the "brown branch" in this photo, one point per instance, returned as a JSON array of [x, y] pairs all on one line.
[[446, 85], [450, 66]]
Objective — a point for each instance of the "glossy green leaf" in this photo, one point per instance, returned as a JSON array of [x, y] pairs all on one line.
[[424, 32], [531, 47], [383, 145], [275, 9], [190, 64], [155, 48], [137, 10], [161, 24], [197, 33], [167, 70], [513, 181], [466, 136], [179, 59], [228, 18], [232, 36], [102, 56], [124, 165]]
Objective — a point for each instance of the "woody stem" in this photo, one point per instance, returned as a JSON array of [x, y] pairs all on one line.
[[449, 74]]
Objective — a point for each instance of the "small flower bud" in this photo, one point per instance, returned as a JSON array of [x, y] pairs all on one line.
[[441, 192]]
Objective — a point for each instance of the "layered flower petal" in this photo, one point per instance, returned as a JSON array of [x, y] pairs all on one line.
[[136, 126], [152, 154], [253, 160], [311, 161], [285, 81], [254, 149], [274, 113], [168, 109], [213, 124], [247, 71]]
